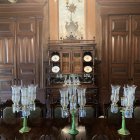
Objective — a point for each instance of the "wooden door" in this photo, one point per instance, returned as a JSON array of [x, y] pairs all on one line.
[[7, 54], [27, 51], [135, 44], [119, 49]]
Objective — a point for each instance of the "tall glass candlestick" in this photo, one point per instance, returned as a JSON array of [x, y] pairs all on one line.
[[126, 102], [23, 100], [73, 95]]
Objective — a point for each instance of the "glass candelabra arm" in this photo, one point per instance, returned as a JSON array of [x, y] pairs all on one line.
[[115, 93], [64, 109], [73, 106], [32, 105], [73, 111], [82, 102], [64, 112], [82, 112], [16, 107], [128, 111], [114, 108]]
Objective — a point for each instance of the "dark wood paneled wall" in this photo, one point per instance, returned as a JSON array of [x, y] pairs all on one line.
[[119, 41], [22, 41]]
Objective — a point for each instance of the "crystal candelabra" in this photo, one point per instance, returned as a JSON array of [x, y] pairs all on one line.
[[115, 98], [23, 100], [73, 96], [126, 102]]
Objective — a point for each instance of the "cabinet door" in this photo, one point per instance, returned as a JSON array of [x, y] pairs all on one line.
[[119, 49], [7, 54], [77, 64], [71, 62], [135, 74], [27, 58], [66, 62]]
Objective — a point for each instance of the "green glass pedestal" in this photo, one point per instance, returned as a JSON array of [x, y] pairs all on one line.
[[123, 130], [73, 130], [25, 128]]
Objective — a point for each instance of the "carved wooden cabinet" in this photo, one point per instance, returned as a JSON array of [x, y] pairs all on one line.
[[67, 58], [70, 58]]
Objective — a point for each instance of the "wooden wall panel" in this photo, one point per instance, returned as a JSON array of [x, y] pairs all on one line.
[[119, 48], [5, 84], [7, 53], [136, 51], [7, 27], [26, 26], [103, 83], [120, 44], [7, 63], [22, 54], [6, 50], [27, 51], [19, 52]]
